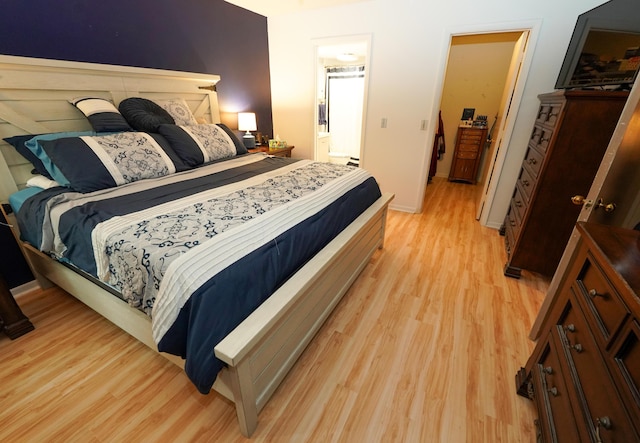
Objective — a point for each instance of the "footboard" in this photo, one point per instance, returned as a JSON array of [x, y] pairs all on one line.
[[263, 348]]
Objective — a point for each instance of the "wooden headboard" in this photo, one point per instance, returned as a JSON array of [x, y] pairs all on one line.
[[35, 94]]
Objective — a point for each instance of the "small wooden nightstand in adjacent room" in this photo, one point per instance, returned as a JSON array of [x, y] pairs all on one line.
[[13, 322], [278, 152]]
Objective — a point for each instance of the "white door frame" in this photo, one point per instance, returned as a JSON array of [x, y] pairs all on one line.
[[338, 41], [533, 28]]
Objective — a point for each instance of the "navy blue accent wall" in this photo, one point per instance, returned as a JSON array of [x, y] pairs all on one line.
[[208, 36]]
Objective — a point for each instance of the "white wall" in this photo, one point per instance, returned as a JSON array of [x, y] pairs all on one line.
[[410, 39]]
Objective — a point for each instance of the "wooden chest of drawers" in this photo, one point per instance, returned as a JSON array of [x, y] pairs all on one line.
[[467, 153], [584, 374], [569, 138]]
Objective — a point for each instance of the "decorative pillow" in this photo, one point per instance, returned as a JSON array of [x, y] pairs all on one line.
[[27, 146], [40, 181], [143, 114], [102, 114], [240, 147], [179, 110], [90, 163], [199, 144]]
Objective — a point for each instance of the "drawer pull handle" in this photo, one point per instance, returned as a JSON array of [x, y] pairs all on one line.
[[577, 347], [532, 161], [548, 370], [570, 327], [518, 203], [604, 422], [594, 293], [553, 391], [525, 182]]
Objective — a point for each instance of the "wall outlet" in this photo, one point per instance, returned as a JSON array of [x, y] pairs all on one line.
[[383, 123]]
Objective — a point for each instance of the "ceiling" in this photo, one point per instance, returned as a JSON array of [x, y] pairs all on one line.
[[269, 8]]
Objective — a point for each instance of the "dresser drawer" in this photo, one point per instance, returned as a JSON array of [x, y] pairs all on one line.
[[595, 391], [548, 114], [473, 136], [518, 202], [533, 159], [600, 301], [526, 183], [466, 151], [626, 369], [551, 396], [510, 233], [540, 137]]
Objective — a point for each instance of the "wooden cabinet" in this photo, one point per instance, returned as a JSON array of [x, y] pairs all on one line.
[[570, 135], [467, 153], [584, 374], [12, 321]]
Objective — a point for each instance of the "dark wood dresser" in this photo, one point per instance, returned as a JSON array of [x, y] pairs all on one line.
[[584, 374], [569, 138], [467, 153]]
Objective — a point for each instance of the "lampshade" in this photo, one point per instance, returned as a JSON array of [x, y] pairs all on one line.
[[247, 121]]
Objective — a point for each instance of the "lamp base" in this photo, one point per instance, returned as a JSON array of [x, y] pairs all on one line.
[[249, 141]]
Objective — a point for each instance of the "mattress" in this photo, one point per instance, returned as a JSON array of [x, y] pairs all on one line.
[[199, 250]]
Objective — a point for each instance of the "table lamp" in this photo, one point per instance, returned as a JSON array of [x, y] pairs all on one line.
[[247, 122]]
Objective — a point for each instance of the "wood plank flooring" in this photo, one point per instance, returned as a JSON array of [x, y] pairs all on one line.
[[423, 348]]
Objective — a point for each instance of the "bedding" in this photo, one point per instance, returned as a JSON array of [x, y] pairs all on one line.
[[199, 250], [143, 114], [27, 146], [101, 113], [178, 110]]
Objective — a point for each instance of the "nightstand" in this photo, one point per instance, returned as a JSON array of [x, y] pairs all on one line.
[[14, 323], [278, 152]]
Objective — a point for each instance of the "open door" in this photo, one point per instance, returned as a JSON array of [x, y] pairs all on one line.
[[502, 131], [614, 197]]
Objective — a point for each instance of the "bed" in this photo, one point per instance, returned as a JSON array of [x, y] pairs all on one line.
[[258, 344]]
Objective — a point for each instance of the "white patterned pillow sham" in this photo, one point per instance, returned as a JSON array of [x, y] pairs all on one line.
[[179, 110]]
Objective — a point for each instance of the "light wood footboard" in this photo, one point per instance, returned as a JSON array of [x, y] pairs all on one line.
[[263, 348]]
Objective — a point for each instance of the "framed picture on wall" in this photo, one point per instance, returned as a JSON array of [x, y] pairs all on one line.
[[468, 113]]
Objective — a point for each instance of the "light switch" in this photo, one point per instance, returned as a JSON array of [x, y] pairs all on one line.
[[383, 123]]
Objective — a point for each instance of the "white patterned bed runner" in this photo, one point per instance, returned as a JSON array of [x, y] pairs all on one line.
[[161, 273]]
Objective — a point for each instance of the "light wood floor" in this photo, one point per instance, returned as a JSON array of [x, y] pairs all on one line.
[[423, 348]]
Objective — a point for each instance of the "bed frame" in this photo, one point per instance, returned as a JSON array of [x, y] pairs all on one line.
[[34, 96]]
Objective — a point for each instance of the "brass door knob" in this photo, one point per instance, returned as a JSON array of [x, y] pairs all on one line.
[[578, 200], [581, 200]]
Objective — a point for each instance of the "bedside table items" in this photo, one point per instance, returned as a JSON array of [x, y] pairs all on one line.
[[277, 143], [247, 122], [278, 152]]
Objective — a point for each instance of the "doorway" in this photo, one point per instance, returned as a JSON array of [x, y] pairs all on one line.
[[479, 76], [341, 92]]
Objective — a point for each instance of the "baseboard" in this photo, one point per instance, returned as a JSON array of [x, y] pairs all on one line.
[[25, 288]]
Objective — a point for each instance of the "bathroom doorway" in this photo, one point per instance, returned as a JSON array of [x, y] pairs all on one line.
[[341, 85]]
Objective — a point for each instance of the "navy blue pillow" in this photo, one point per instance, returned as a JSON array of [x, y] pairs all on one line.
[[199, 144], [91, 163], [28, 146], [240, 147], [144, 115], [17, 141], [102, 114]]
